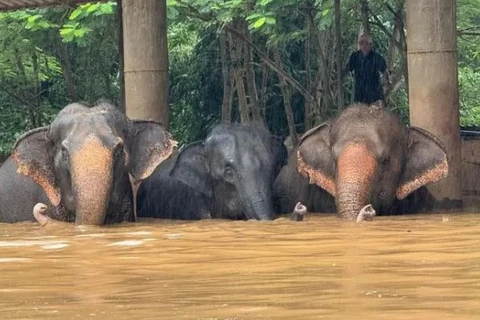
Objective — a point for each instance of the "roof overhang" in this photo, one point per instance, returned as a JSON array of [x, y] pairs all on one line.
[[22, 4]]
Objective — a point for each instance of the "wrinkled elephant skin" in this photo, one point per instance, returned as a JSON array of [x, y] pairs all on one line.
[[229, 175], [79, 166], [367, 156]]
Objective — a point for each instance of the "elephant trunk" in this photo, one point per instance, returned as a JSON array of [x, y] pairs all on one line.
[[355, 173], [260, 204], [92, 178]]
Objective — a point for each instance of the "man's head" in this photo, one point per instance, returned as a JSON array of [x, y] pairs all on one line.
[[365, 43]]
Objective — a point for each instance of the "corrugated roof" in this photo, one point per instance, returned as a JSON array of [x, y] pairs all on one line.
[[21, 4]]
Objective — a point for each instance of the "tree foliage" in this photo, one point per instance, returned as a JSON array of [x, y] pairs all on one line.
[[230, 60]]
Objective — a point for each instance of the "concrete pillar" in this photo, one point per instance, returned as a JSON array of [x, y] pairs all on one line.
[[433, 87], [146, 59]]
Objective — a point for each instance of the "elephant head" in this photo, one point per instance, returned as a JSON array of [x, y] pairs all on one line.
[[367, 156], [84, 158], [234, 168]]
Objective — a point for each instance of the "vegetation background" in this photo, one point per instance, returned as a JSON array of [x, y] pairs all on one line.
[[230, 60]]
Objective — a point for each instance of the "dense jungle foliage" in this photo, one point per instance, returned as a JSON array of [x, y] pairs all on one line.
[[230, 60]]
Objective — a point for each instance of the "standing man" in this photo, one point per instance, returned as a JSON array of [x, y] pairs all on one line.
[[367, 65]]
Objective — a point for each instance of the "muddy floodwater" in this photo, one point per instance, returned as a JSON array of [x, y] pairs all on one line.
[[403, 267]]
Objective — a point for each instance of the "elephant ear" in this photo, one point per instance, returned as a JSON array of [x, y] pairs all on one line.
[[149, 145], [314, 158], [191, 168], [426, 162], [32, 154]]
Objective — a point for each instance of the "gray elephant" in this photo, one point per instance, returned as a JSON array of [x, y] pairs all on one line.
[[81, 166], [363, 156], [290, 187], [229, 175]]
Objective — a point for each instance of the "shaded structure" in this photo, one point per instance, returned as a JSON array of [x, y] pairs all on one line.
[[433, 86], [143, 53], [22, 4], [432, 68], [470, 145]]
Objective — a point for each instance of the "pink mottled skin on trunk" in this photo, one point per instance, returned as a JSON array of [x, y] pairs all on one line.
[[92, 176], [355, 172]]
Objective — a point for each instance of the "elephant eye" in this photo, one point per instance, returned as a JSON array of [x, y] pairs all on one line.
[[64, 151], [229, 172], [118, 152]]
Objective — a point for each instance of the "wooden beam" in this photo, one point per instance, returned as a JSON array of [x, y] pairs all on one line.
[[6, 5]]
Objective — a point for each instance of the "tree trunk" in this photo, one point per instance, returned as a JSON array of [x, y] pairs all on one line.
[[338, 54], [364, 16], [250, 73], [257, 50], [67, 72], [286, 102], [235, 51], [392, 50], [23, 77], [36, 101], [308, 71], [322, 79], [403, 52], [263, 90], [227, 80], [270, 63]]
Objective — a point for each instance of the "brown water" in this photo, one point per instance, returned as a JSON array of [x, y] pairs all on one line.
[[407, 267]]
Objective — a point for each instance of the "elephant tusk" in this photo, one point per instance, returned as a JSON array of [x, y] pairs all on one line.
[[367, 213], [298, 212]]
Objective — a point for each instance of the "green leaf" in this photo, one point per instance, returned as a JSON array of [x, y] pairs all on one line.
[[253, 16], [106, 8], [265, 2], [93, 7], [270, 20], [44, 24], [259, 23], [30, 25], [75, 14], [33, 18]]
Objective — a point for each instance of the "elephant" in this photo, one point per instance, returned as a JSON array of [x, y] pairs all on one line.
[[363, 156], [81, 166], [290, 187], [229, 176]]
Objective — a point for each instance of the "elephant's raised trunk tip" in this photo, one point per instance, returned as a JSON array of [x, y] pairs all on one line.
[[366, 214], [39, 213], [298, 212]]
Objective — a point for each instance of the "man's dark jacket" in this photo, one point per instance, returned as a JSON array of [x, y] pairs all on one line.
[[367, 71]]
